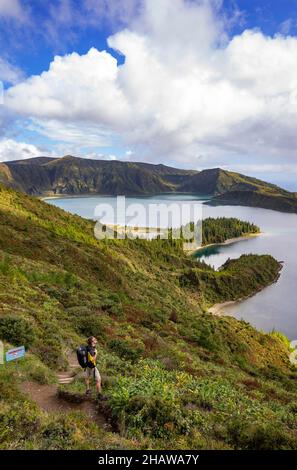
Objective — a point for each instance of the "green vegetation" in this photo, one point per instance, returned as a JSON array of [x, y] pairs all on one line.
[[236, 279], [260, 198], [16, 330], [221, 229], [175, 377]]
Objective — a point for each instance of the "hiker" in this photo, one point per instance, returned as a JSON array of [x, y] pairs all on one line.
[[91, 369]]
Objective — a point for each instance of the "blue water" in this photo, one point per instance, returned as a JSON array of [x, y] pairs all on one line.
[[273, 308]]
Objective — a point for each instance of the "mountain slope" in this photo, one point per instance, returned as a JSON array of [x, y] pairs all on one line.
[[70, 175], [174, 376], [282, 203], [73, 176], [229, 188]]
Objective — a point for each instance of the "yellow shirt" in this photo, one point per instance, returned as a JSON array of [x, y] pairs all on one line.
[[91, 358]]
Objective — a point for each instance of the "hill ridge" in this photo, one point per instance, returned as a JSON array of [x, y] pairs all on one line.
[[69, 175]]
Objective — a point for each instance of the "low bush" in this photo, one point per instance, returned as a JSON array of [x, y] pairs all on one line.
[[16, 330], [127, 349], [260, 436]]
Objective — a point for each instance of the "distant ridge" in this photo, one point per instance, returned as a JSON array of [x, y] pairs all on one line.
[[47, 176]]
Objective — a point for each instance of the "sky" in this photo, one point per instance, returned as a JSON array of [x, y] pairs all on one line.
[[187, 83]]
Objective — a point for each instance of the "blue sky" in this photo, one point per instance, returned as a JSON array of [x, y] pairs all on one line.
[[190, 92]]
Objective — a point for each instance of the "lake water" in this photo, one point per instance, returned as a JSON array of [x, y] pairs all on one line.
[[274, 307]]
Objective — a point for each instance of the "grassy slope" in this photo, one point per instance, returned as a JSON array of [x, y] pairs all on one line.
[[175, 376]]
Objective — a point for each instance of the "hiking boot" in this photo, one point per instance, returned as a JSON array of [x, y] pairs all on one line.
[[101, 397], [88, 393]]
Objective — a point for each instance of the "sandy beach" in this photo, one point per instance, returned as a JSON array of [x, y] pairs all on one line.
[[218, 309]]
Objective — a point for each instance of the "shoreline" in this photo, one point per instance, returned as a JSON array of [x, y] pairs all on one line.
[[218, 309], [197, 197], [71, 196], [229, 241]]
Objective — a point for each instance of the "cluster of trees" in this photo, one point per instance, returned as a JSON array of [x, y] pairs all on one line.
[[221, 229], [213, 231]]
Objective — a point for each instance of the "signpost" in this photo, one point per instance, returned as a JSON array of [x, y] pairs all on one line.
[[12, 354], [15, 353]]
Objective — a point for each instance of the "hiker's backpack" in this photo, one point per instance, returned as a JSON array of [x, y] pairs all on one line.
[[82, 356]]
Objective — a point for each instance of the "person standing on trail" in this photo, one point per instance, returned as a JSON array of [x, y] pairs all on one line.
[[91, 369]]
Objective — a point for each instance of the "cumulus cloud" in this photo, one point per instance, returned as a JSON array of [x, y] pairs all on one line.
[[13, 150], [185, 91], [75, 88]]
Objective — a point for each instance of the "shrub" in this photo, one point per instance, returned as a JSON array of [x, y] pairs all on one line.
[[51, 353], [91, 325], [16, 330], [18, 422], [112, 304], [150, 404], [41, 374], [281, 337], [260, 436], [126, 349]]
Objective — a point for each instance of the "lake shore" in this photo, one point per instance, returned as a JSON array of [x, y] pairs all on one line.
[[226, 242], [219, 308], [196, 197], [231, 240]]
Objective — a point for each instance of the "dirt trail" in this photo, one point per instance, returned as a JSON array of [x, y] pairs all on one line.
[[68, 376], [47, 398]]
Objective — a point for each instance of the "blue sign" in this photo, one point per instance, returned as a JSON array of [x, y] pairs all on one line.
[[15, 353]]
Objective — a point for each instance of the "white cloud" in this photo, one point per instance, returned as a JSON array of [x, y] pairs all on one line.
[[76, 88], [100, 156], [65, 16], [12, 150], [264, 168], [78, 134], [11, 9], [185, 91], [9, 73]]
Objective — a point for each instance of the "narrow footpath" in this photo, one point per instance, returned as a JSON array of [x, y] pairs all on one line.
[[46, 396]]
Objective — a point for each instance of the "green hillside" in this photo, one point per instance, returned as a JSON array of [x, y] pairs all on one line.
[[70, 175], [174, 375], [259, 198]]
